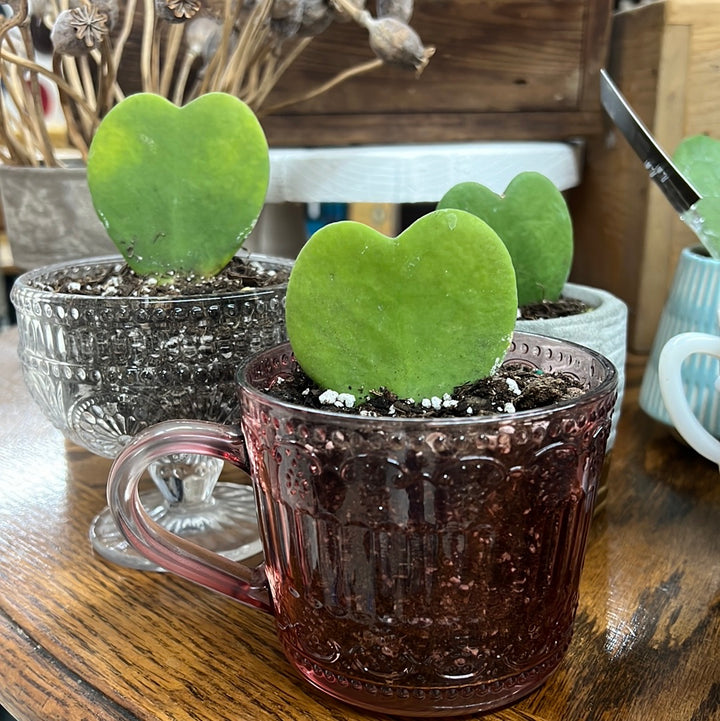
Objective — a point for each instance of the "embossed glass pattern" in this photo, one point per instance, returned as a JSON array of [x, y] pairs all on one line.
[[104, 368], [428, 567]]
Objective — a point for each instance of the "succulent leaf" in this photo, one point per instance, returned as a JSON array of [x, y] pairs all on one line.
[[698, 158], [533, 220], [178, 189], [418, 314]]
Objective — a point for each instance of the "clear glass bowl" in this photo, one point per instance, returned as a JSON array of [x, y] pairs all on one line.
[[104, 368]]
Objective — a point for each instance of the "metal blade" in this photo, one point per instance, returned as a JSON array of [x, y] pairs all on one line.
[[676, 188]]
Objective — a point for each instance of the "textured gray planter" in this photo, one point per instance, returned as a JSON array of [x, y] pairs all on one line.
[[49, 216], [603, 329]]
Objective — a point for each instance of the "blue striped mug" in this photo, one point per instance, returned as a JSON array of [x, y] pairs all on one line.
[[691, 306]]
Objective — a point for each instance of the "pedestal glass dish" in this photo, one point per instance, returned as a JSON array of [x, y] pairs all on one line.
[[103, 368]]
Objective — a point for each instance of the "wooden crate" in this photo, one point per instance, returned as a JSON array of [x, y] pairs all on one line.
[[503, 69], [665, 57]]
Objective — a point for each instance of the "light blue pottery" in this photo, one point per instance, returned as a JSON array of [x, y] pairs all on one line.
[[692, 305]]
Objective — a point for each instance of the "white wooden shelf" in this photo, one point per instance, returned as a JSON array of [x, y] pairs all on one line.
[[412, 173]]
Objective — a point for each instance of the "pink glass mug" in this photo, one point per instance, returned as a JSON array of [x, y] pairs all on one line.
[[414, 566]]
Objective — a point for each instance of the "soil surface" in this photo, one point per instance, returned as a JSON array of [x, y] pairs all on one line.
[[120, 281], [552, 309], [512, 388]]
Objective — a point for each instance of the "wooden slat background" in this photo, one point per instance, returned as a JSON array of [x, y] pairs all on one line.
[[503, 69], [666, 59]]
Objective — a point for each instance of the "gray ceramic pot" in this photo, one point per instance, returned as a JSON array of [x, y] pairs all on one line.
[[49, 216]]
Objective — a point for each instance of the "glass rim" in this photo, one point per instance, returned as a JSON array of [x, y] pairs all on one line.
[[23, 283], [605, 388]]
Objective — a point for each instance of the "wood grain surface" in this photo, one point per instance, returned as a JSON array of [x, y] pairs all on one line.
[[82, 639], [502, 69]]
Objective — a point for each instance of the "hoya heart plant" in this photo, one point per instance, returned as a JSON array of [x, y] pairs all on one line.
[[532, 219], [698, 158], [417, 314], [178, 188]]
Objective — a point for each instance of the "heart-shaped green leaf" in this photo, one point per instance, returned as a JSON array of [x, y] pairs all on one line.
[[706, 223], [418, 314], [178, 189], [698, 158], [533, 220]]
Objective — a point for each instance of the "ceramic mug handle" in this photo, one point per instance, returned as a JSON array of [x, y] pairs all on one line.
[[171, 552], [674, 352]]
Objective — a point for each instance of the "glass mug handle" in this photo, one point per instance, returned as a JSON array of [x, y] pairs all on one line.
[[180, 556], [674, 352]]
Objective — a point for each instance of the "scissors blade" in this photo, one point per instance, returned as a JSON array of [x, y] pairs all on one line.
[[676, 188]]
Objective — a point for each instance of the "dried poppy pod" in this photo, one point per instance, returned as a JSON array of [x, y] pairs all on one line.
[[397, 43], [317, 17], [286, 8], [399, 9], [286, 17], [110, 9], [176, 11], [198, 32], [78, 31], [211, 44]]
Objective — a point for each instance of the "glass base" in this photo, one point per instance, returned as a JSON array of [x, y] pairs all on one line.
[[226, 525]]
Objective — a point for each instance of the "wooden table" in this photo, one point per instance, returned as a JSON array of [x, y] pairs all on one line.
[[81, 639]]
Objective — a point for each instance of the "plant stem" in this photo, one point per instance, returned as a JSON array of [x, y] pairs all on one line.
[[182, 77], [341, 77], [252, 37], [217, 63], [35, 102], [175, 36], [279, 70], [55, 77], [108, 73], [74, 134], [146, 45], [128, 17]]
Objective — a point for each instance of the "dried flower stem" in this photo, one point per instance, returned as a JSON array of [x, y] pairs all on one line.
[[79, 119], [21, 137], [126, 30], [35, 103], [341, 77], [16, 145], [215, 65], [25, 98], [278, 71], [182, 78], [350, 9], [252, 37], [87, 81], [71, 123], [251, 53], [174, 41], [107, 82], [146, 45], [22, 62]]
